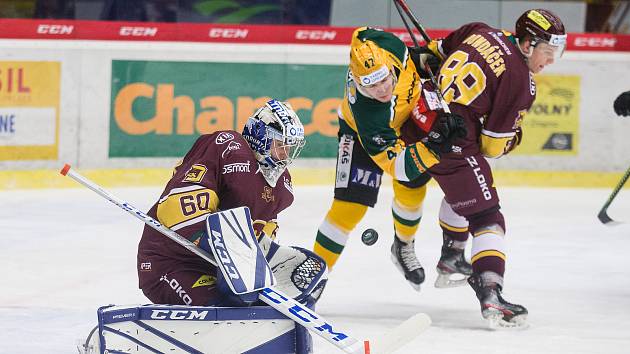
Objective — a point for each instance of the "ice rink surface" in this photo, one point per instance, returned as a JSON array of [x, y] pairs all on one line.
[[64, 253]]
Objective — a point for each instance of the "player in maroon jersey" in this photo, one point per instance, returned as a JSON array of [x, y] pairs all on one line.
[[487, 78], [222, 170]]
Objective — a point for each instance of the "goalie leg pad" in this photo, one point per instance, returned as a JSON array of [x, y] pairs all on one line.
[[195, 329]]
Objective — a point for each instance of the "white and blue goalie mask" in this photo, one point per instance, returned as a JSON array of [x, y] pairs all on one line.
[[276, 135]]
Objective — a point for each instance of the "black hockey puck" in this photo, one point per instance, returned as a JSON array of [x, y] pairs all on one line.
[[369, 237]]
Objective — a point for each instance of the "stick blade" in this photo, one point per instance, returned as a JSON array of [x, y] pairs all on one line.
[[398, 337], [605, 219]]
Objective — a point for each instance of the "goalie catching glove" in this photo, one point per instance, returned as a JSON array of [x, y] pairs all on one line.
[[299, 273]]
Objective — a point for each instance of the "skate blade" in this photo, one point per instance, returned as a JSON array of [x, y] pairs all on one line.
[[496, 322], [416, 287], [450, 280]]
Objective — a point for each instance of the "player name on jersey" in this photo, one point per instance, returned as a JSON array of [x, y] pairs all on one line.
[[222, 33]]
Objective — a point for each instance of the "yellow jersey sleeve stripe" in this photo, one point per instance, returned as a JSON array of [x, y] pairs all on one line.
[[178, 208]]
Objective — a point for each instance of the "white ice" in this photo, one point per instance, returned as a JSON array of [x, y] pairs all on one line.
[[64, 253]]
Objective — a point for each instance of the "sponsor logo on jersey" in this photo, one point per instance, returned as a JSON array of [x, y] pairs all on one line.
[[412, 88], [532, 84], [178, 314], [145, 267], [223, 138], [497, 36], [267, 194], [232, 146], [195, 173], [236, 167], [433, 100], [287, 184], [378, 140], [174, 284], [346, 144], [463, 204], [366, 178], [205, 280], [481, 179]]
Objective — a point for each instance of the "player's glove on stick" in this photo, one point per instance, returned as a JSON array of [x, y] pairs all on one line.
[[447, 128], [622, 104], [423, 56]]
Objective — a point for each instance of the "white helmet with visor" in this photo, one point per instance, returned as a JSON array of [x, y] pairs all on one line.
[[276, 136]]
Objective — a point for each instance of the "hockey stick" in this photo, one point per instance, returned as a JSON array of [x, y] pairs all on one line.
[[299, 313], [401, 6], [603, 213]]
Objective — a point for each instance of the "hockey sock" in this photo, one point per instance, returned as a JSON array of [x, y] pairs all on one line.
[[333, 232], [407, 210]]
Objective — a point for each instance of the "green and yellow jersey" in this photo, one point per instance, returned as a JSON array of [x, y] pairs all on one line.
[[378, 124]]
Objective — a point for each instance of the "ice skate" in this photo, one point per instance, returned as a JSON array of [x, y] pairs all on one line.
[[499, 313], [453, 269], [404, 258]]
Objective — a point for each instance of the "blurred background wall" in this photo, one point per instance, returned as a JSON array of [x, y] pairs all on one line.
[[579, 16]]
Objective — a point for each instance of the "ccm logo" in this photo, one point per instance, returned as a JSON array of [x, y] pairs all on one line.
[[55, 29], [315, 35], [595, 42], [138, 31], [228, 33], [178, 315]]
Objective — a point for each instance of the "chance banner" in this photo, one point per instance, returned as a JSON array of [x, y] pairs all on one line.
[[158, 109]]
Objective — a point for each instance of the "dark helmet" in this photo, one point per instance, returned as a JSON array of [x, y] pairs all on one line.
[[541, 25]]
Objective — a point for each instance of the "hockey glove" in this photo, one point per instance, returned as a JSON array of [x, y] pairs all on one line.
[[423, 56], [622, 104], [447, 128], [516, 140]]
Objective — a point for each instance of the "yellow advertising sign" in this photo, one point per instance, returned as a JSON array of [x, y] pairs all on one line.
[[29, 110], [551, 127]]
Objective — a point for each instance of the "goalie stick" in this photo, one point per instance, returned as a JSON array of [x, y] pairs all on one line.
[[391, 341], [603, 213]]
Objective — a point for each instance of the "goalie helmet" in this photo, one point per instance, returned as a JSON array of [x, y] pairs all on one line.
[[542, 25], [276, 136]]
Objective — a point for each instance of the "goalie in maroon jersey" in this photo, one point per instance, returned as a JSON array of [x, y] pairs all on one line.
[[487, 78], [225, 170]]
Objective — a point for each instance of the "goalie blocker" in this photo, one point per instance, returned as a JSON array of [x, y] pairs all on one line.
[[194, 329]]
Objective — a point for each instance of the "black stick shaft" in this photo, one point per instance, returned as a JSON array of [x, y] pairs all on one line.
[[603, 215], [402, 6], [413, 19]]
